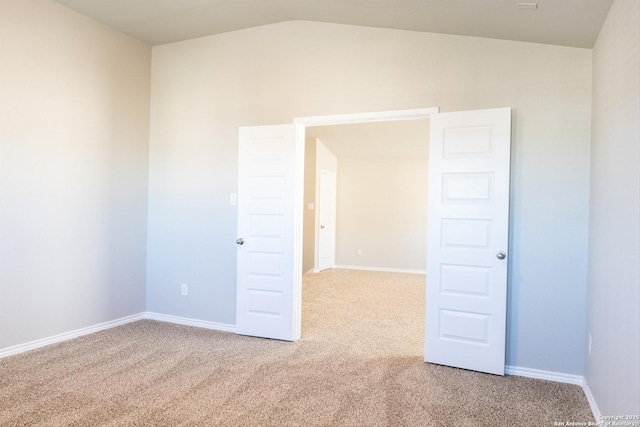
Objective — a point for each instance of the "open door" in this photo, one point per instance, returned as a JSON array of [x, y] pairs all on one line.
[[266, 233], [468, 230], [327, 216]]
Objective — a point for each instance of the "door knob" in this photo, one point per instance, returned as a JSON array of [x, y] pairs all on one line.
[[501, 255], [240, 241], [322, 226]]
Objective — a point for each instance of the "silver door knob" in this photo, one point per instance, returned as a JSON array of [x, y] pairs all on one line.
[[501, 255], [240, 241], [322, 226]]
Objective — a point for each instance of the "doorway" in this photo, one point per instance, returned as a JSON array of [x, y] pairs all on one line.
[[301, 124], [380, 207], [468, 229], [378, 279]]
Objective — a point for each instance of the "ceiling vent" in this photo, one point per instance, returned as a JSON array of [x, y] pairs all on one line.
[[530, 6]]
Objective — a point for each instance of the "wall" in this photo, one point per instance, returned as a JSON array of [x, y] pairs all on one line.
[[382, 210], [203, 89], [74, 114], [613, 367]]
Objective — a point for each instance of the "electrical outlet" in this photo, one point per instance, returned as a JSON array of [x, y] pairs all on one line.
[[184, 290], [359, 252], [589, 344]]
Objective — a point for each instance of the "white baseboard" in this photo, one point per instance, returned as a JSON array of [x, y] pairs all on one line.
[[32, 345], [544, 375], [591, 400], [509, 370], [225, 327], [558, 377], [388, 270]]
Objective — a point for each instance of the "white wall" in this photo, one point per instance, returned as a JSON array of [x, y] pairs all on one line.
[[613, 367], [74, 114], [203, 89], [382, 210]]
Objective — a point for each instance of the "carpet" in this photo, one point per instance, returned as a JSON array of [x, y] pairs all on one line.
[[359, 363]]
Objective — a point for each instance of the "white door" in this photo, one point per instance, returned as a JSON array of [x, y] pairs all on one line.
[[327, 214], [266, 229], [468, 228]]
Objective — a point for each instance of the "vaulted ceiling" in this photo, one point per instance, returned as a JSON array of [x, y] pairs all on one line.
[[408, 138], [560, 22]]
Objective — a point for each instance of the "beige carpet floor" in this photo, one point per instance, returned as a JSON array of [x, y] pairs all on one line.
[[359, 363]]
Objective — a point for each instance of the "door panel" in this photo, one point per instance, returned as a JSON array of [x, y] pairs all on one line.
[[467, 230], [327, 232], [265, 264]]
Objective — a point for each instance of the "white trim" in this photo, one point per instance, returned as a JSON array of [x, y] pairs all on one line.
[[32, 345], [298, 220], [386, 269], [375, 116], [558, 377], [509, 370], [592, 401], [66, 336], [544, 375], [225, 327]]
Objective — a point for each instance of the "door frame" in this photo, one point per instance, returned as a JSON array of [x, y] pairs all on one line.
[[301, 124]]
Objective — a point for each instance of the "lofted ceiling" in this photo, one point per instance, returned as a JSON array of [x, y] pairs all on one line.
[[407, 138], [573, 23]]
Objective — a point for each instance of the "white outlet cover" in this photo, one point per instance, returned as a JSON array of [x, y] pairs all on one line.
[[233, 199]]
